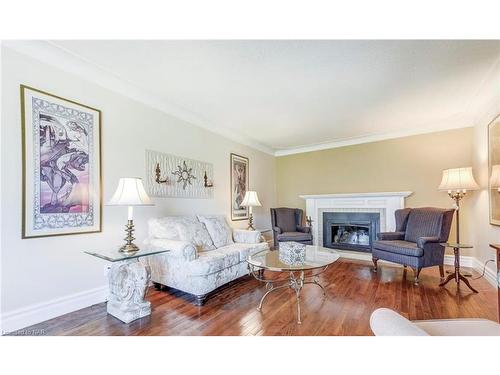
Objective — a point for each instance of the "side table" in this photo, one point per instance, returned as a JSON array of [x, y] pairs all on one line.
[[128, 283], [497, 250], [457, 275]]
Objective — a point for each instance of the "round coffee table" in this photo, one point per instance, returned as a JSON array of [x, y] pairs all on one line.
[[315, 262]]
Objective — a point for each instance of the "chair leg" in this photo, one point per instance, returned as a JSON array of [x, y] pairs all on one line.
[[416, 271], [441, 272], [374, 260]]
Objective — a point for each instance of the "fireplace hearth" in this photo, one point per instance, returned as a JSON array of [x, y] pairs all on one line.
[[350, 230]]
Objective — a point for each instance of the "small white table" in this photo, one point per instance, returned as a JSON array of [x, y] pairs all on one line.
[[128, 283]]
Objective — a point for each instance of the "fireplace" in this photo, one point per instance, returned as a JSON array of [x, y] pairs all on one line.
[[350, 230]]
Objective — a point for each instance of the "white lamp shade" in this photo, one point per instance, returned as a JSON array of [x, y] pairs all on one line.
[[130, 192], [458, 179], [495, 176], [251, 200]]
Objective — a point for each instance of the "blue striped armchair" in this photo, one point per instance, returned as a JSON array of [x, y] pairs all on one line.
[[416, 241]]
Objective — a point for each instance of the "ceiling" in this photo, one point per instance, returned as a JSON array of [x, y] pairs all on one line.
[[290, 96]]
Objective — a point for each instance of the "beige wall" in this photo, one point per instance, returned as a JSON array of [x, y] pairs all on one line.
[[405, 164]]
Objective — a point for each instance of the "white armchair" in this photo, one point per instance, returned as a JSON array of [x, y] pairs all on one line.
[[386, 322]]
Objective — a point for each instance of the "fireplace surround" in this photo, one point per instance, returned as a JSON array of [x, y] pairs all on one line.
[[383, 203]]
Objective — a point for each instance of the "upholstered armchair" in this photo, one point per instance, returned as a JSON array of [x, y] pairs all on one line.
[[287, 226], [416, 241]]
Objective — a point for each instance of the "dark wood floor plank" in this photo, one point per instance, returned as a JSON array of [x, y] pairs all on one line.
[[353, 292]]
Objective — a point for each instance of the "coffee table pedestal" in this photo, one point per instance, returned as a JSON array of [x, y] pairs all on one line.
[[296, 283], [301, 263]]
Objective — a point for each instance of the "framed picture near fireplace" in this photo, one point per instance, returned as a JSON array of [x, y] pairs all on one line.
[[494, 169], [239, 186], [61, 165]]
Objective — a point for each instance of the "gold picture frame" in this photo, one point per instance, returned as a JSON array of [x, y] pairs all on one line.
[[62, 165], [239, 172], [494, 170]]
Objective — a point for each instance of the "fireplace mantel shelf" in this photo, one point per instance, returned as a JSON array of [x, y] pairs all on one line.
[[403, 194]]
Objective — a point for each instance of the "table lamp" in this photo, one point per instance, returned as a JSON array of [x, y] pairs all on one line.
[[250, 200], [130, 192], [495, 177], [457, 182]]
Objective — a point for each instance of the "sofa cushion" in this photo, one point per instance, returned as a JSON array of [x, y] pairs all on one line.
[[245, 249], [294, 236], [164, 227], [423, 222], [399, 247], [220, 232], [210, 262], [247, 236], [191, 230]]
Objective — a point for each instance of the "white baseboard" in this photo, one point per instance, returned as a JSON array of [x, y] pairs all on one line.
[[37, 313], [465, 261], [489, 274]]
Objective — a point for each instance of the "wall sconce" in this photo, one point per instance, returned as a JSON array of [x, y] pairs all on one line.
[[206, 183], [158, 174]]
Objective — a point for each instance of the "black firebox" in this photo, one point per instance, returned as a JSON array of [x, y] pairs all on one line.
[[350, 230]]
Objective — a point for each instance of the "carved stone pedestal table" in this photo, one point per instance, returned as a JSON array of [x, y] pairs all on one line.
[[128, 283]]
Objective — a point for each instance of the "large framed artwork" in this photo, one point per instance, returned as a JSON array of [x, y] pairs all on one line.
[[61, 165], [239, 186], [494, 169]]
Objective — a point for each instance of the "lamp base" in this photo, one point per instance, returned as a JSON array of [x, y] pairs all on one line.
[[250, 223], [130, 246]]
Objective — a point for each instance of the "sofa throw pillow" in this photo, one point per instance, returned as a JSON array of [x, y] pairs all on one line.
[[219, 230], [191, 230], [164, 227]]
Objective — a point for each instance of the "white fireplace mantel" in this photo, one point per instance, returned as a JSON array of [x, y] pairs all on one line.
[[385, 203]]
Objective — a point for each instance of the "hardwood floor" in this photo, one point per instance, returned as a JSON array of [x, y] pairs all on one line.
[[353, 292]]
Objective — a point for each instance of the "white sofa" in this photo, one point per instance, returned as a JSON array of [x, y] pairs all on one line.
[[386, 322], [205, 253]]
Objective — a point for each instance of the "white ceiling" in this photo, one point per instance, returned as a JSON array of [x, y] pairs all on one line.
[[291, 96]]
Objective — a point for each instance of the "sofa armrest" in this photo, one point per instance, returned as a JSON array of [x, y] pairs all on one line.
[[246, 236], [277, 230], [303, 229], [422, 241], [391, 236], [178, 249]]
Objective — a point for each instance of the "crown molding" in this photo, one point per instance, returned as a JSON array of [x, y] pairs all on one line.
[[370, 138], [50, 53]]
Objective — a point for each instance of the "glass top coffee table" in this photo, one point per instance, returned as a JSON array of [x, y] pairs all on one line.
[[303, 263]]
